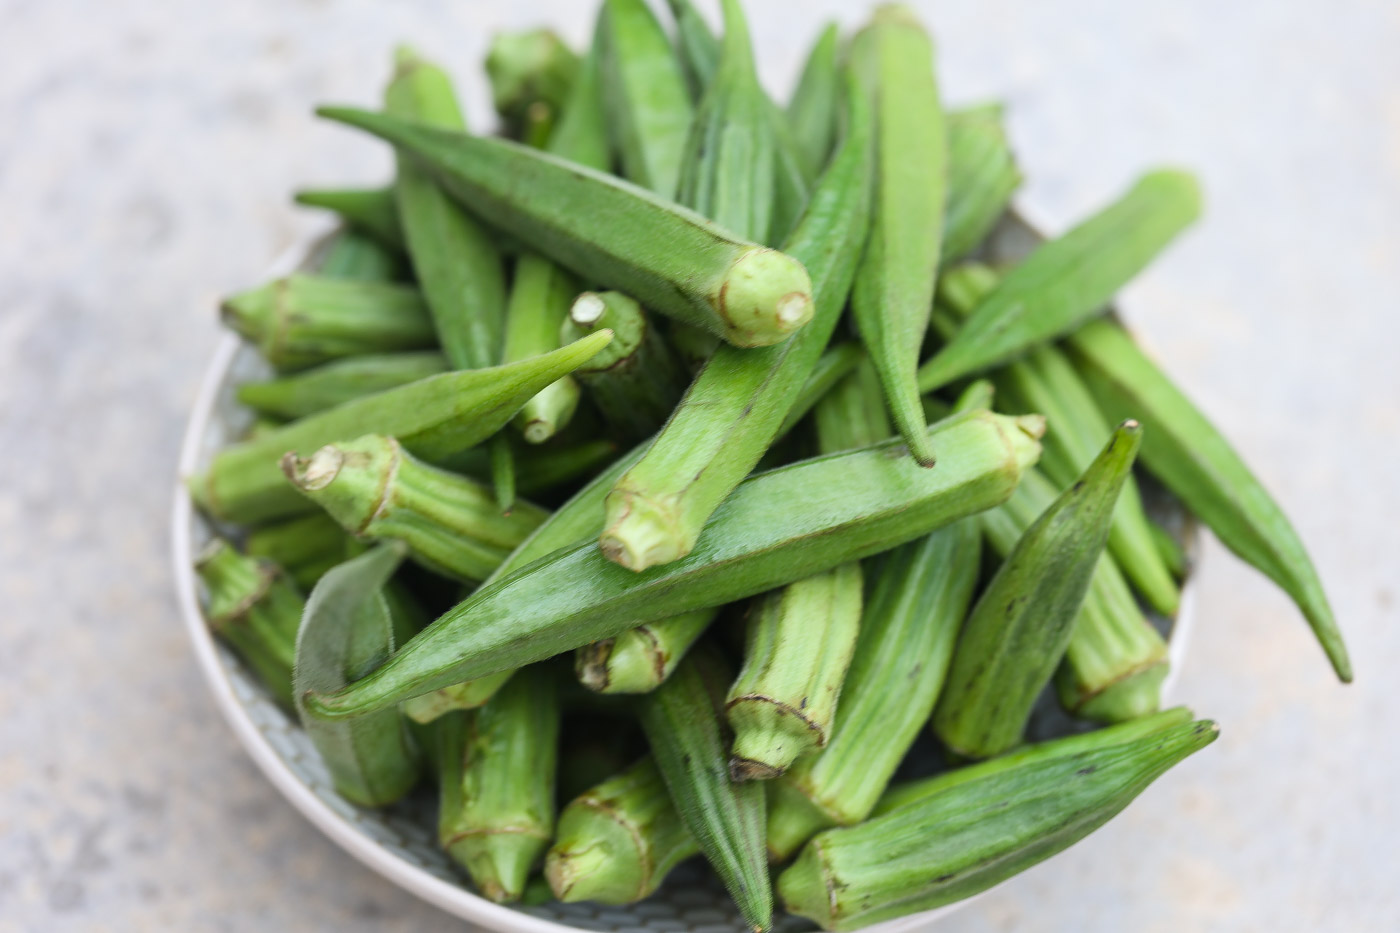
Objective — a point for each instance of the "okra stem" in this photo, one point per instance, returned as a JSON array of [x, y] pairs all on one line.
[[640, 660]]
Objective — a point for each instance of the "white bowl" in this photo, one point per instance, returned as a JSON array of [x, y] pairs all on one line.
[[400, 842]]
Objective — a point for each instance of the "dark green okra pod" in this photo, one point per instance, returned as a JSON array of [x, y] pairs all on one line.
[[377, 490], [432, 418], [1198, 464], [1023, 622], [532, 73], [735, 407], [496, 779], [637, 381], [773, 529], [618, 841], [369, 210], [305, 547], [354, 255], [1068, 280], [684, 722], [250, 604], [302, 320], [981, 830], [328, 385], [346, 630]]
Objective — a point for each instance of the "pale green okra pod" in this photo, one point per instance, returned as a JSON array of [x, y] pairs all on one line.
[[532, 73], [369, 210], [328, 385], [640, 660]]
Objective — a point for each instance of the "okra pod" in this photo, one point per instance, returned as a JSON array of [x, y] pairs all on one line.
[[684, 722], [830, 369], [982, 176], [1068, 280], [302, 320], [305, 547], [369, 210], [697, 46], [773, 529], [669, 258], [853, 414], [811, 112], [640, 660], [1199, 466], [649, 109], [738, 402], [354, 255], [432, 418], [346, 630], [1022, 624], [893, 290], [920, 594], [328, 385], [637, 381], [1044, 381], [250, 604], [618, 841], [497, 790], [376, 490], [532, 73], [951, 845]]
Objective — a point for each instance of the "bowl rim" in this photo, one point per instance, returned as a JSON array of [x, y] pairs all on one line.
[[455, 899]]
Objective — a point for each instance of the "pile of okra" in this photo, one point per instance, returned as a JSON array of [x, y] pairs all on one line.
[[727, 470]]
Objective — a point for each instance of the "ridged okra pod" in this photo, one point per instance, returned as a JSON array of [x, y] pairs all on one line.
[[330, 384], [302, 320], [369, 210], [831, 368], [432, 418], [811, 113], [775, 528], [618, 841], [919, 596], [738, 402], [346, 630], [640, 660], [637, 381], [684, 723], [980, 831], [982, 176], [1044, 381], [252, 606], [305, 547], [1022, 624], [358, 256], [669, 258], [1069, 279], [377, 490], [496, 780], [1200, 467], [1116, 661], [893, 291], [532, 73]]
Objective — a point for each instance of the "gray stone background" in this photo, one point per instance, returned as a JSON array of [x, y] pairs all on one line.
[[146, 154]]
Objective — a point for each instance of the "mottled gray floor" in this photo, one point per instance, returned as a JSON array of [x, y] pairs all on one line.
[[146, 155]]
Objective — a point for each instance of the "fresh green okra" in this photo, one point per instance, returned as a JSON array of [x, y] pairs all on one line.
[[893, 290], [920, 594], [250, 604], [1068, 280], [328, 385], [617, 842], [302, 320], [976, 833], [539, 468], [982, 176], [358, 256], [432, 418], [684, 722], [498, 766], [640, 660], [347, 630], [831, 368], [1044, 381], [669, 258], [376, 490], [369, 210], [811, 111], [1022, 624], [1199, 466], [305, 547], [637, 381], [649, 109], [773, 529], [800, 642], [696, 45], [853, 413], [532, 74], [733, 410]]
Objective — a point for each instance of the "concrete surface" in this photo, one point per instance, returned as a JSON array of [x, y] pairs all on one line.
[[146, 156]]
